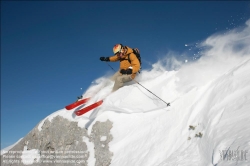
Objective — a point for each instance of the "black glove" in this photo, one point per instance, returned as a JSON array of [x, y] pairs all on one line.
[[104, 58], [128, 71]]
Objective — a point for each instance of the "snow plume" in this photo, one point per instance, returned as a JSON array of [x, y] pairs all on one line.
[[217, 55], [168, 63], [220, 53], [98, 85], [232, 43]]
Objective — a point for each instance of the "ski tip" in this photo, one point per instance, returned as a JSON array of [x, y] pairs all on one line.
[[100, 102], [88, 108], [77, 103], [77, 113]]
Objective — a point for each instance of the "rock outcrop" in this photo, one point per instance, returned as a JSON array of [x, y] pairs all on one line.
[[62, 143]]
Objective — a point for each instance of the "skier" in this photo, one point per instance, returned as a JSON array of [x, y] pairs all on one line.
[[129, 65]]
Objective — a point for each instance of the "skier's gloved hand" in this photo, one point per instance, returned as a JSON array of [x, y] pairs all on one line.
[[104, 58], [128, 71], [123, 71]]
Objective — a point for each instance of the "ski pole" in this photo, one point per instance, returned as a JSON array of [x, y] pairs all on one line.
[[110, 66], [168, 104]]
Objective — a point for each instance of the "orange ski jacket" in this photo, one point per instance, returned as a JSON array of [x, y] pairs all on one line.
[[124, 63]]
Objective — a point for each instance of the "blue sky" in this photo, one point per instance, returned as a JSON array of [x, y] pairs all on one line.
[[51, 49]]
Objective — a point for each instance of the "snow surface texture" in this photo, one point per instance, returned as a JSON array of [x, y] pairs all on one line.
[[209, 112]]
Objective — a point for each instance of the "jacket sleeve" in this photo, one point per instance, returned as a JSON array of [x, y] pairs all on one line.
[[113, 58], [134, 63]]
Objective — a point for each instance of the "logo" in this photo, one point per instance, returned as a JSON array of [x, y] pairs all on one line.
[[233, 155]]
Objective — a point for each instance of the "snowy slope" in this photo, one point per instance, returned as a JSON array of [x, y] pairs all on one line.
[[219, 109], [211, 94]]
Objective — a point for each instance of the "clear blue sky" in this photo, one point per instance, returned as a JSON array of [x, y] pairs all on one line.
[[51, 49]]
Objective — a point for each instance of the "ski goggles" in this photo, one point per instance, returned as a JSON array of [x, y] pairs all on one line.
[[120, 53]]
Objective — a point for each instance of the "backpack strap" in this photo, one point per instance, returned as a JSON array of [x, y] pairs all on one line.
[[129, 58]]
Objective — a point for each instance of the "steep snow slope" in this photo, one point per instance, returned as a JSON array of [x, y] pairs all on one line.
[[211, 94], [219, 109]]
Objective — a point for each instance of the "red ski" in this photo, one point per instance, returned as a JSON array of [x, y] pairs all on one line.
[[77, 103], [88, 108]]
